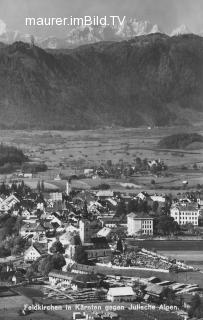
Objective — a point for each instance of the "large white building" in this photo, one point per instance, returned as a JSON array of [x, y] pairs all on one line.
[[139, 224], [119, 294], [185, 213]]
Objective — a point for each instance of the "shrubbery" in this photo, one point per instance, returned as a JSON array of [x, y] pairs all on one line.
[[180, 141]]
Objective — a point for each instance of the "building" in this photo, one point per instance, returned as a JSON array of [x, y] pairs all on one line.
[[26, 214], [98, 249], [153, 292], [35, 251], [184, 214], [67, 238], [104, 194], [40, 232], [9, 203], [158, 198], [88, 229], [105, 232], [200, 202], [86, 281], [56, 277], [112, 221], [56, 196], [139, 224], [28, 229], [68, 187], [119, 294], [143, 196], [74, 248], [58, 177], [28, 175], [88, 172]]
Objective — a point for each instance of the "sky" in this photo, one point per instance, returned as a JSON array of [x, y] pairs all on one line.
[[168, 14]]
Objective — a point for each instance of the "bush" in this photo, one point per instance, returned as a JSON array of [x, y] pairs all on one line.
[[103, 186]]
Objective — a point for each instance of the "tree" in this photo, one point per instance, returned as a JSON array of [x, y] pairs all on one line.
[[18, 224], [168, 296], [57, 247], [80, 255], [39, 186], [132, 206], [14, 187], [145, 163], [155, 206], [85, 210], [166, 225], [3, 188], [42, 186], [50, 262], [30, 274], [196, 309], [119, 246], [102, 186], [121, 208], [138, 163], [143, 206], [109, 163], [190, 228], [4, 252], [32, 41], [58, 261]]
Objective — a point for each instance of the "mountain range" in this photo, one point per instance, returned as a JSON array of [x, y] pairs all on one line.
[[80, 35], [152, 80]]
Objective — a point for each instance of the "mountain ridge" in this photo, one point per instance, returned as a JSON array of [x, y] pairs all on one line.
[[80, 35], [149, 80]]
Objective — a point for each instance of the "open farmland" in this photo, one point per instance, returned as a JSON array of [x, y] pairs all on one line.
[[69, 152]]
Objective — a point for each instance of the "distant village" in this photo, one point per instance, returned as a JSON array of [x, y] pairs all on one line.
[[85, 246]]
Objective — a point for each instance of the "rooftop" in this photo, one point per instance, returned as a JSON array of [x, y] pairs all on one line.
[[121, 291], [105, 193], [60, 274], [140, 215]]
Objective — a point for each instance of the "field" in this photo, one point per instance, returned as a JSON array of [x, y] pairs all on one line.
[[69, 152], [172, 245]]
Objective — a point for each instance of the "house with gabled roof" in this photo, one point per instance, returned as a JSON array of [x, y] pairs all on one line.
[[35, 251]]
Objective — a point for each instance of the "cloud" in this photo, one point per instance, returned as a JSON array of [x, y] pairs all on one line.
[[2, 27]]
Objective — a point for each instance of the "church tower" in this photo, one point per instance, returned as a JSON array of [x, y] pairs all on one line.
[[68, 187]]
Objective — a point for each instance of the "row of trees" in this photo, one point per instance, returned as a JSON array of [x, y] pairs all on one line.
[[12, 155], [19, 188], [137, 205]]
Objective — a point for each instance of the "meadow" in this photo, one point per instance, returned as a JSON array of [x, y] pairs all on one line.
[[69, 152]]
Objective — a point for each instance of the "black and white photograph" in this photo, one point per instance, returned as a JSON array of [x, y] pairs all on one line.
[[101, 159]]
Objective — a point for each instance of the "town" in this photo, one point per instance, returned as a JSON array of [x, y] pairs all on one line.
[[90, 251]]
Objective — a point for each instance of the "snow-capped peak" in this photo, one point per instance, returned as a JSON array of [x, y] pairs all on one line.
[[133, 27], [183, 29], [2, 27], [156, 29]]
